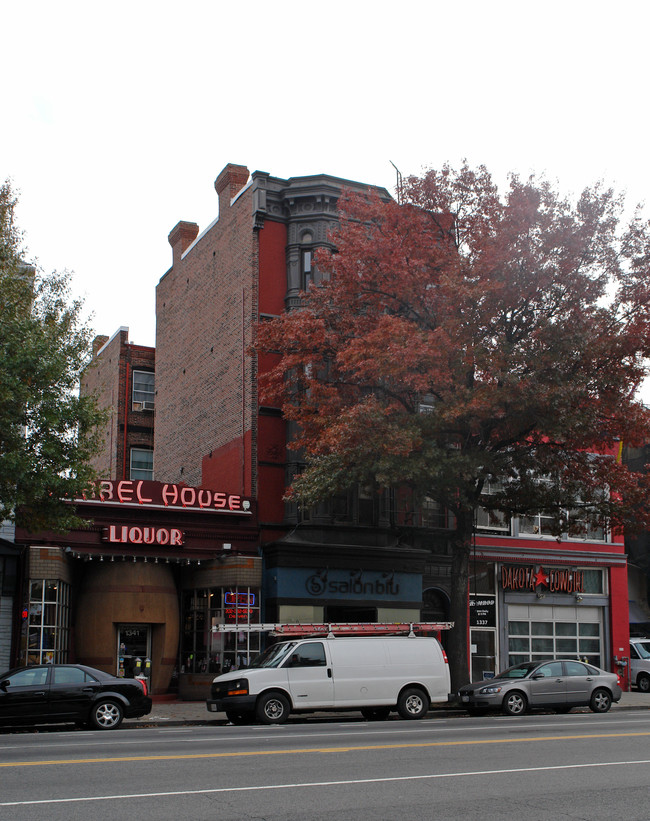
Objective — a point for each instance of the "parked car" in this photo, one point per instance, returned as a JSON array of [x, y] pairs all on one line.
[[59, 693], [560, 685], [370, 674], [640, 663]]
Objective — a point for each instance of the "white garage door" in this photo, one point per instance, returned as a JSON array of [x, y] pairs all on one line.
[[538, 633]]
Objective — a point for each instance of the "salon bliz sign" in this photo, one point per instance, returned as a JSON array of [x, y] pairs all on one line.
[[529, 578]]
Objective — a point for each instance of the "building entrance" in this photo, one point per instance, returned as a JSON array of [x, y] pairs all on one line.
[[133, 650]]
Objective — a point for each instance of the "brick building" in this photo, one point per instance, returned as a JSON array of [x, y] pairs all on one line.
[[122, 376], [356, 557]]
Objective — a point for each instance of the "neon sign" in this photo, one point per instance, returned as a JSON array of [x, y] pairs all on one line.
[[246, 599], [123, 534], [171, 496]]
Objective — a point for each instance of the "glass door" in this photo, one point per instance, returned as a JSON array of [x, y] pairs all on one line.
[[484, 657], [133, 649]]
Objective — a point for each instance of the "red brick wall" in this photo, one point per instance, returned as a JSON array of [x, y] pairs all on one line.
[[205, 308], [112, 367]]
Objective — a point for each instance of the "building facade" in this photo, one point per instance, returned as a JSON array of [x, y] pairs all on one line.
[[357, 557]]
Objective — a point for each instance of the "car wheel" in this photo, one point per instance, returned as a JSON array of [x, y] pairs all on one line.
[[239, 718], [375, 713], [272, 708], [514, 704], [412, 703], [643, 683], [106, 715], [601, 701]]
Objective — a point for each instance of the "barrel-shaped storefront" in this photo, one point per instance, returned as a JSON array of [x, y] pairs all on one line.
[[139, 589]]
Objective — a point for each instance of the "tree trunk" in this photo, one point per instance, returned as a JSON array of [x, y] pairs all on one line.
[[458, 640]]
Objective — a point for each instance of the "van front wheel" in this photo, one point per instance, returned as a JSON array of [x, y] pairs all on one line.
[[412, 703], [272, 708]]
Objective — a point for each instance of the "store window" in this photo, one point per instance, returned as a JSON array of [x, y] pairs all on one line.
[[143, 390], [141, 464], [46, 632], [206, 650]]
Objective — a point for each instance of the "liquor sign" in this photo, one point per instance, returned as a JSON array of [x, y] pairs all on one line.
[[123, 534], [529, 578], [482, 611], [246, 599], [175, 497], [238, 606]]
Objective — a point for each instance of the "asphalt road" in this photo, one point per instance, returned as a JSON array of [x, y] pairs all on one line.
[[544, 766]]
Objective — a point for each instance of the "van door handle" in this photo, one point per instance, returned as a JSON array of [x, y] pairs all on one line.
[[329, 672]]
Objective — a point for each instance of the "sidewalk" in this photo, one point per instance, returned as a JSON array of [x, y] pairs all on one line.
[[179, 713]]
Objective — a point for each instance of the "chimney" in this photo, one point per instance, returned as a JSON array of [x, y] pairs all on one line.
[[231, 180], [99, 342], [180, 238]]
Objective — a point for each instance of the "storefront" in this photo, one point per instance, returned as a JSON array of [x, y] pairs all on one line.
[[530, 604], [138, 589], [311, 582]]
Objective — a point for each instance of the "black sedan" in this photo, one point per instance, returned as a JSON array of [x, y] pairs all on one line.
[[60, 693]]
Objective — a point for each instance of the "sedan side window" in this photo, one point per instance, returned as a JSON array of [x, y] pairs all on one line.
[[29, 678], [68, 675], [551, 670], [575, 668]]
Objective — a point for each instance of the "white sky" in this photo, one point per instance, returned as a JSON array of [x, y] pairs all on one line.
[[117, 117]]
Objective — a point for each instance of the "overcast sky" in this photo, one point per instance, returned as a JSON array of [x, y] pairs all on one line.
[[117, 117]]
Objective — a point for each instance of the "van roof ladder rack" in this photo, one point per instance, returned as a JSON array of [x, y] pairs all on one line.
[[333, 629]]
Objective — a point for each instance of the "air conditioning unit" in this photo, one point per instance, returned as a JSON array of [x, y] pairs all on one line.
[[147, 406]]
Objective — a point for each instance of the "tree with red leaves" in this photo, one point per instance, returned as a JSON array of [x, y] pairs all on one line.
[[468, 341]]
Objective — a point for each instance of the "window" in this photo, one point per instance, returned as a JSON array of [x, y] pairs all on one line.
[[493, 520], [46, 637], [530, 640], [29, 678], [308, 655], [537, 525], [143, 390], [70, 675], [204, 650], [307, 269], [306, 262], [141, 464]]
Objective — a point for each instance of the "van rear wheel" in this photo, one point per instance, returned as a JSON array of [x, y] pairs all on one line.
[[412, 703], [272, 708]]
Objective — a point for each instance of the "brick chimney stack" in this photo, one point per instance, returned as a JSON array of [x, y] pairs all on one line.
[[229, 182], [180, 238]]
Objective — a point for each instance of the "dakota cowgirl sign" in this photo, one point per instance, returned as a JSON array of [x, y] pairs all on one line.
[[529, 578]]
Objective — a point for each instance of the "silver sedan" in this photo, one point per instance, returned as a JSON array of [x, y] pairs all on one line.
[[558, 685]]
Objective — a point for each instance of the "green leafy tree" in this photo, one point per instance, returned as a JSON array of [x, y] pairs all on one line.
[[47, 432], [477, 349]]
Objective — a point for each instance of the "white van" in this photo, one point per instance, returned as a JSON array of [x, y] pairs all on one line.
[[370, 674], [640, 663]]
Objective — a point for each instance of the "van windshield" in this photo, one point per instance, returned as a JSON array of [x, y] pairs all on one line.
[[643, 649], [273, 656]]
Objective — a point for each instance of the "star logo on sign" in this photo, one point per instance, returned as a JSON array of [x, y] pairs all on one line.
[[541, 577]]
